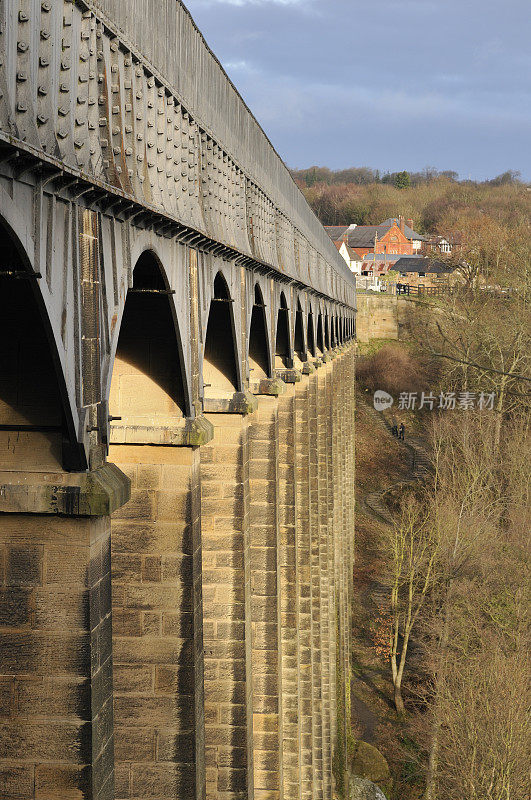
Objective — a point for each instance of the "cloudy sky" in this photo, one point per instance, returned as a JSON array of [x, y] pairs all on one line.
[[390, 84]]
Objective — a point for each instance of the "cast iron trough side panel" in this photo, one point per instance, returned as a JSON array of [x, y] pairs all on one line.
[[119, 99]]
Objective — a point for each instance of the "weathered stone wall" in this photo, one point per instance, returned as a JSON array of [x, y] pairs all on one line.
[[56, 707], [377, 317], [231, 572], [157, 641], [269, 503]]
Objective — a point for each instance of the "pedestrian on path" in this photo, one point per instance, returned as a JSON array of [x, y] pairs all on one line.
[[394, 427], [402, 431]]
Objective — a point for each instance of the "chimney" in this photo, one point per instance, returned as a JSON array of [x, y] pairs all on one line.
[[410, 223], [401, 223]]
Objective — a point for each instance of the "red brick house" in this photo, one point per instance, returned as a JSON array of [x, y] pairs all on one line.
[[392, 237]]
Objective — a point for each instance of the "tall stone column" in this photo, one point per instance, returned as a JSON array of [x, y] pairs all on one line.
[[304, 512], [319, 531], [291, 477], [158, 614], [351, 466], [338, 520], [227, 608], [327, 534], [56, 726], [266, 600], [346, 428]]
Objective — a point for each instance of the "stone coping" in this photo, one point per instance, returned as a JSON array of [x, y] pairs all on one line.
[[240, 403], [75, 494], [186, 432], [289, 375], [268, 386]]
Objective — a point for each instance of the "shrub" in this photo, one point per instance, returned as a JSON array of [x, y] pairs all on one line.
[[392, 369]]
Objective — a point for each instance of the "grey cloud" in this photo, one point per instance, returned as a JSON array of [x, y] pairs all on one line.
[[442, 83]]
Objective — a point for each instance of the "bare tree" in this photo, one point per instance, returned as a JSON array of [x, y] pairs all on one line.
[[413, 549], [475, 633]]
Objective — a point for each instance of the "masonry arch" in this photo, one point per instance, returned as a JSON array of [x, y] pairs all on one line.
[[33, 394], [283, 356], [148, 382], [299, 342], [148, 395], [259, 350], [220, 364]]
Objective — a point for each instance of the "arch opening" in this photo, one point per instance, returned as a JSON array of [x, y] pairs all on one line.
[[320, 336], [35, 434], [259, 358], [220, 373], [283, 359], [311, 335], [148, 379], [299, 346], [327, 333]]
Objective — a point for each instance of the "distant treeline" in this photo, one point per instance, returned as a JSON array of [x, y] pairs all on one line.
[[433, 200], [366, 175]]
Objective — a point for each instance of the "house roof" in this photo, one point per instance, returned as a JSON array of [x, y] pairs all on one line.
[[336, 231], [384, 257], [409, 233], [412, 264], [353, 255], [364, 235]]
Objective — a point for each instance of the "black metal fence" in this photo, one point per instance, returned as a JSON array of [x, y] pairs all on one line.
[[421, 289]]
